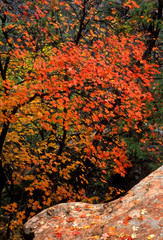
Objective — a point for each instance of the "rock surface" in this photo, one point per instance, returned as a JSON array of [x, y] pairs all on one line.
[[137, 215]]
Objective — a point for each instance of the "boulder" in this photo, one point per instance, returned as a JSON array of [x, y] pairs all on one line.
[[137, 215]]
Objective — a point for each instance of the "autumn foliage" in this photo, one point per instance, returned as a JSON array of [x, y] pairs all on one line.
[[71, 90]]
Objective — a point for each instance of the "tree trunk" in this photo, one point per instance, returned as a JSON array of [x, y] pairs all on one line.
[[2, 174]]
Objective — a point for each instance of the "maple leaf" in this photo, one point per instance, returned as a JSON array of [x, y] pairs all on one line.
[[70, 219], [58, 235], [105, 236], [75, 233]]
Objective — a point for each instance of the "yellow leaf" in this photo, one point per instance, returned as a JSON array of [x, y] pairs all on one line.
[[86, 227], [151, 236], [91, 32]]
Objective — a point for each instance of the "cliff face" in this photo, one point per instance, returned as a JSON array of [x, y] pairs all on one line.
[[134, 216]]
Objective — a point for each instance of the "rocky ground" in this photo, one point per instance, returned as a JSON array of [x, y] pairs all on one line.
[[137, 215]]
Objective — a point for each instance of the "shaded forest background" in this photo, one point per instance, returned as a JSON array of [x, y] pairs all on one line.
[[80, 102]]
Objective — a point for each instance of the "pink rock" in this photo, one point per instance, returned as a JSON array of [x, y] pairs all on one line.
[[137, 215]]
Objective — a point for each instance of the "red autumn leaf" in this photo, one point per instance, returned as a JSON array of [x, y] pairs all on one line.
[[75, 233], [70, 219], [58, 235]]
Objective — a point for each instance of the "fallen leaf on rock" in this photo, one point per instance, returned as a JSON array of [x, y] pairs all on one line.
[[141, 217], [70, 219], [58, 235], [135, 228], [126, 220], [86, 227], [75, 233], [134, 236], [112, 231], [92, 223], [151, 236], [119, 222], [77, 208], [143, 211]]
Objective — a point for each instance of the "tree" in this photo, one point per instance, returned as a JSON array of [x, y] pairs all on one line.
[[68, 98]]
